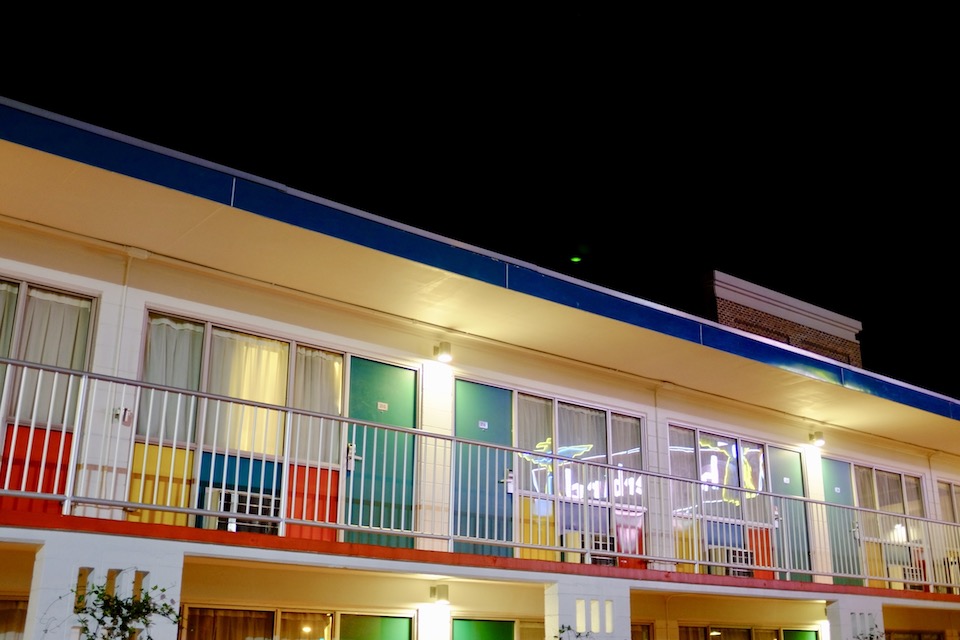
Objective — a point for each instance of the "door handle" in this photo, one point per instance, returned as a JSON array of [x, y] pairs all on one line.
[[352, 456]]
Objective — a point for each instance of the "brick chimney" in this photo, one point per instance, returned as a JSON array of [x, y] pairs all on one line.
[[748, 307]]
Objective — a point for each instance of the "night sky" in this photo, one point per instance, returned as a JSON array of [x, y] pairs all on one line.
[[814, 175]]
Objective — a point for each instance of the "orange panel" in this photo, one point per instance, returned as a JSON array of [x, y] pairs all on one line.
[[40, 472], [313, 494], [758, 541]]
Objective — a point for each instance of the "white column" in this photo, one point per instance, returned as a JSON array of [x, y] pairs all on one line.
[[855, 618], [57, 565], [596, 606]]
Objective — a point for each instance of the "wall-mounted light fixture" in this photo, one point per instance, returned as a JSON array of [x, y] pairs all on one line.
[[816, 439], [442, 352], [440, 594]]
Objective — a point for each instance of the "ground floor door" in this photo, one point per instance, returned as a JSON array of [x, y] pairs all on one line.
[[483, 630]]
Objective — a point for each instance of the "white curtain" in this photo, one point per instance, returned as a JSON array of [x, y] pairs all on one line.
[[174, 351], [535, 435], [250, 368], [13, 618], [8, 309], [55, 331], [625, 441], [581, 433], [317, 386]]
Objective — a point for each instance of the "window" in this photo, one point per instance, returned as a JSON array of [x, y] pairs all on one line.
[[198, 356], [47, 327], [949, 493], [13, 619]]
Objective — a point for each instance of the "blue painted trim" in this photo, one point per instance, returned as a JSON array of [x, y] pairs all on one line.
[[193, 177]]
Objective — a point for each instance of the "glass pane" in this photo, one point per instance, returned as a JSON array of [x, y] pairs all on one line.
[[945, 492], [305, 626], [13, 619], [55, 332], [867, 498], [534, 436], [913, 496], [8, 308], [718, 460], [229, 624], [318, 387], [683, 455], [890, 492], [752, 466], [581, 435], [247, 367], [172, 358], [625, 441], [683, 463], [956, 503]]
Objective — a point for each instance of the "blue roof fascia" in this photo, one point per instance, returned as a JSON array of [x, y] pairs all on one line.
[[316, 216], [193, 177], [108, 153], [606, 304]]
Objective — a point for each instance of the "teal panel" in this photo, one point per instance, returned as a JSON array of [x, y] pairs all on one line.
[[841, 522], [483, 509], [792, 547], [382, 480], [483, 630], [358, 627]]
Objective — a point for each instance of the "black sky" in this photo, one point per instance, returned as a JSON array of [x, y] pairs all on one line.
[[811, 166]]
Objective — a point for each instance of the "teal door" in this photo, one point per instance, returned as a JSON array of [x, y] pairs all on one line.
[[792, 546], [380, 462], [482, 630], [484, 502], [360, 627], [842, 527]]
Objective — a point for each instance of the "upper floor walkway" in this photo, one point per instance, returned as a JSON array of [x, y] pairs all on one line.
[[112, 449]]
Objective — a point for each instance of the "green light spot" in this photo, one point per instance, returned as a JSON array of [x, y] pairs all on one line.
[[575, 259]]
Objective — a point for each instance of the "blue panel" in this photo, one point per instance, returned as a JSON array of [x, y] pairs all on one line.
[[315, 216], [773, 355], [113, 155], [534, 283], [898, 393], [238, 478]]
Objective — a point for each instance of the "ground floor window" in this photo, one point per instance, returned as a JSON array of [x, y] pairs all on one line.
[[245, 624], [13, 619]]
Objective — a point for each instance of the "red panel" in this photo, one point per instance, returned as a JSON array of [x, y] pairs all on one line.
[[758, 541], [630, 540], [312, 495], [40, 470]]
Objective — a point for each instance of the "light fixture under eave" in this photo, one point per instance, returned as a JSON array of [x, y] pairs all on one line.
[[816, 439], [440, 594], [442, 352]]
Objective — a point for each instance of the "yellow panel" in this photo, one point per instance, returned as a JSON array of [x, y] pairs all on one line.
[[873, 552], [538, 526], [686, 533], [161, 475]]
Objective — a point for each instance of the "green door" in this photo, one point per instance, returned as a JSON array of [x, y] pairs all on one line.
[[380, 462], [360, 627], [842, 527], [483, 630], [792, 543], [484, 498]]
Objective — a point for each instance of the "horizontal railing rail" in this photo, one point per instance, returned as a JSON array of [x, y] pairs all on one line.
[[106, 447]]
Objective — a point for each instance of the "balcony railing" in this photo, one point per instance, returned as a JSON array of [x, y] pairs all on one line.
[[104, 447]]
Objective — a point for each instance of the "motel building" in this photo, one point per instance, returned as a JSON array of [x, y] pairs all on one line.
[[303, 421]]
